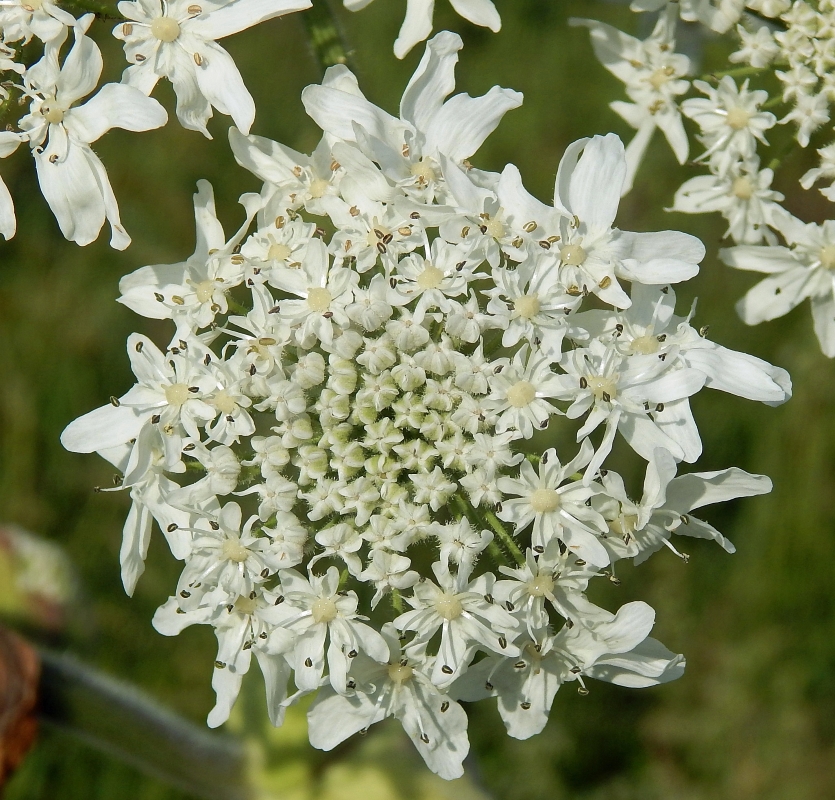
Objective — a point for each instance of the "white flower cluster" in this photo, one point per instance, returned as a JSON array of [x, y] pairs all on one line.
[[172, 39], [733, 119], [340, 440]]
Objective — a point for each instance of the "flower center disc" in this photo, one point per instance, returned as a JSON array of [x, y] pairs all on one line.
[[204, 291], [645, 345], [543, 501], [52, 112], [430, 278], [495, 228], [527, 306], [660, 77], [573, 255], [318, 188], [233, 550], [176, 394], [400, 673], [319, 299], [541, 585], [624, 524], [423, 171], [827, 256], [324, 610], [742, 188], [448, 606], [278, 252], [224, 403], [166, 29], [600, 386], [738, 118], [521, 394]]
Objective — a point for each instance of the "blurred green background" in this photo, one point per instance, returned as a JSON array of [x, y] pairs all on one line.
[[754, 715]]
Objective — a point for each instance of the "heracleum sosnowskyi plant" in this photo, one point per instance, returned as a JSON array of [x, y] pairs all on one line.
[[337, 440]]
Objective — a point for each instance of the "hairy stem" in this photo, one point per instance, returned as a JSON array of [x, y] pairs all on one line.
[[325, 35], [507, 540]]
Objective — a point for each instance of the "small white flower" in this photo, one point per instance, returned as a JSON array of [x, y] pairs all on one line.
[[71, 176], [176, 40]]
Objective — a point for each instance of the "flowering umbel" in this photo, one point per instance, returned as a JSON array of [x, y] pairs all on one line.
[[340, 439]]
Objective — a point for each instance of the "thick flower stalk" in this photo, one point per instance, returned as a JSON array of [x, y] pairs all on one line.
[[341, 441]]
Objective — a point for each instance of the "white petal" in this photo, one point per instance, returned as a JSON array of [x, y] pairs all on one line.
[[222, 85], [823, 314], [270, 161], [8, 223], [755, 258], [240, 15], [105, 427], [479, 12], [740, 374], [332, 718], [70, 188], [464, 122], [80, 71], [336, 112], [433, 80], [596, 182], [417, 25], [688, 492], [776, 295], [116, 105]]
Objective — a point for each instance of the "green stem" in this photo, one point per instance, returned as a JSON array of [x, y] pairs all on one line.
[[324, 35], [507, 540], [397, 601], [117, 719], [772, 103]]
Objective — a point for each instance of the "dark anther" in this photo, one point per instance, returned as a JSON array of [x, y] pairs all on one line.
[[584, 383], [447, 669], [444, 706], [308, 662], [114, 401], [172, 527], [525, 706]]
